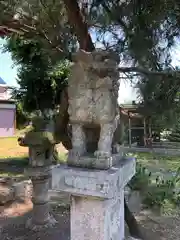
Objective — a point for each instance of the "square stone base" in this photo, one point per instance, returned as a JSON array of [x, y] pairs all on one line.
[[96, 219], [97, 199]]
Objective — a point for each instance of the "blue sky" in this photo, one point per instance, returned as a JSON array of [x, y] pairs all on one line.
[[8, 72]]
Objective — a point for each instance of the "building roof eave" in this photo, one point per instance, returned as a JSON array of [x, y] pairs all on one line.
[[8, 101]]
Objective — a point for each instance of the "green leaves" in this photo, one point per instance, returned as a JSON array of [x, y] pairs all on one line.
[[141, 179], [40, 81], [162, 193], [142, 32], [145, 29]]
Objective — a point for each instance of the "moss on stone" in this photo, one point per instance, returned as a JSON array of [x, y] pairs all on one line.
[[39, 123], [42, 138]]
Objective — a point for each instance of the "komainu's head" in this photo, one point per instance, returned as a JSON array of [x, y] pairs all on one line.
[[100, 61]]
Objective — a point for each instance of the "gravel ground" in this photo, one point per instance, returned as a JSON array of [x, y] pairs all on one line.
[[14, 216], [157, 227]]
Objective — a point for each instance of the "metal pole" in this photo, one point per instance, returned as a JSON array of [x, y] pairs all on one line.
[[145, 137], [150, 130], [144, 126], [129, 130]]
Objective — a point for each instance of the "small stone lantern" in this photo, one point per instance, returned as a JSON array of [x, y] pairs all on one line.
[[40, 141]]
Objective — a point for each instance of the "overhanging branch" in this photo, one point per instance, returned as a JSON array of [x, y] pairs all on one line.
[[25, 30], [144, 71]]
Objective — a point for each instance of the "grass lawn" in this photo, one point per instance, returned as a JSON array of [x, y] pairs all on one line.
[[9, 148], [164, 163], [13, 158], [163, 169]]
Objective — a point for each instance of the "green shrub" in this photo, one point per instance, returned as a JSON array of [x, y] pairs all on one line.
[[141, 180], [161, 193], [174, 136], [21, 116]]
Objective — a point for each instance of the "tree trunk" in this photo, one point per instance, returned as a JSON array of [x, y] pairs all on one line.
[[79, 25], [131, 222], [81, 31]]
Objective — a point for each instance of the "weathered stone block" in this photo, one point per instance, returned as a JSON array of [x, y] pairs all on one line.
[[8, 181], [97, 199], [89, 182], [23, 190], [132, 238], [98, 220], [134, 201], [6, 194]]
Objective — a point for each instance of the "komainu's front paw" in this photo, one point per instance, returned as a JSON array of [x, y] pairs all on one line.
[[102, 154], [75, 153]]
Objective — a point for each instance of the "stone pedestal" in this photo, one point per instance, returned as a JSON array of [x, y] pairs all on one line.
[[97, 199], [41, 218]]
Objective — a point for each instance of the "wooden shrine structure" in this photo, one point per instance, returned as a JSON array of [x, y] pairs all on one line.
[[138, 123]]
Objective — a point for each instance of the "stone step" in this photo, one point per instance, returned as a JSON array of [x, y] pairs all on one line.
[[6, 181], [23, 190], [132, 238], [7, 194], [6, 190], [57, 194]]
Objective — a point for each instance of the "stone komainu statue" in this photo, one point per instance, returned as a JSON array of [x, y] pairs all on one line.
[[93, 107]]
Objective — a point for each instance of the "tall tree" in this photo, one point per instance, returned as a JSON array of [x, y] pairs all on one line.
[[142, 32]]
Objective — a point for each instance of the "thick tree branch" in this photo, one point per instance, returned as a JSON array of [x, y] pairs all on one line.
[[80, 27], [75, 19], [15, 26], [149, 72]]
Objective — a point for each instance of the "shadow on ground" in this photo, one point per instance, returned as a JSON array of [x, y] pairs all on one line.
[[13, 166], [14, 227]]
